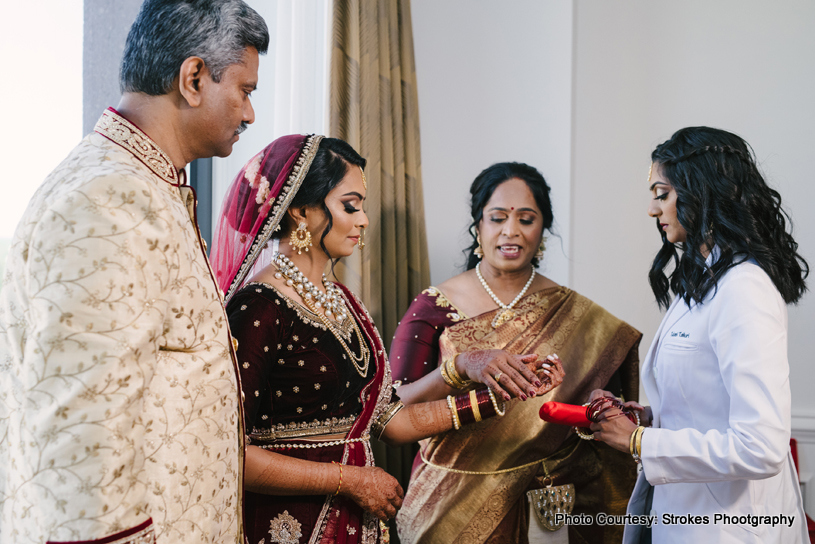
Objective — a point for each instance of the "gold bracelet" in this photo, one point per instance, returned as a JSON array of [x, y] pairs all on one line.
[[503, 409], [474, 406], [634, 442], [444, 376], [638, 444], [453, 414], [453, 372], [455, 378], [339, 485], [631, 441]]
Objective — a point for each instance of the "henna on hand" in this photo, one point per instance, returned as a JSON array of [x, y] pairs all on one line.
[[522, 376], [374, 490], [597, 393], [646, 413], [429, 418], [275, 474], [553, 374], [614, 429], [514, 377]]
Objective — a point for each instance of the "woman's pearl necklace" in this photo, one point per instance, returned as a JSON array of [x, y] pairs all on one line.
[[506, 312], [333, 304], [331, 300]]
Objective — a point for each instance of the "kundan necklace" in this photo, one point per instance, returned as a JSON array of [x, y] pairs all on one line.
[[506, 312], [334, 306]]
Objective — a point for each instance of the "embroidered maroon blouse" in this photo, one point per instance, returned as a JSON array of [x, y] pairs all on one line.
[[414, 351], [289, 364]]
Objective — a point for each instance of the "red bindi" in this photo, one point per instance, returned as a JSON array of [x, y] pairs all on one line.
[[511, 208]]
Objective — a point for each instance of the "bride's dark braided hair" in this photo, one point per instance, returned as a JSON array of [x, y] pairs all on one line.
[[722, 198]]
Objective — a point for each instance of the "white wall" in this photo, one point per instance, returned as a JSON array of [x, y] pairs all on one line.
[[491, 90], [584, 90]]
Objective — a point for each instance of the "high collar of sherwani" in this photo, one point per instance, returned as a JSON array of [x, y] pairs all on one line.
[[116, 128]]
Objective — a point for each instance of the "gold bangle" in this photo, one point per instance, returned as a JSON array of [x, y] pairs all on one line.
[[474, 406], [503, 409], [452, 373], [453, 414], [633, 442], [445, 376], [339, 485], [638, 444]]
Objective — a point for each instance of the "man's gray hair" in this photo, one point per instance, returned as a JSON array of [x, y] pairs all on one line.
[[167, 32]]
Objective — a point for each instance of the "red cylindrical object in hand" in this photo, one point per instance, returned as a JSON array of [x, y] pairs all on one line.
[[578, 416], [564, 414]]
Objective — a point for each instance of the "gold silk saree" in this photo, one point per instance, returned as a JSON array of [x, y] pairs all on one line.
[[598, 351]]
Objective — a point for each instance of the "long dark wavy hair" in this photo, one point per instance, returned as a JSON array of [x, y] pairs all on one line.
[[327, 170], [484, 186], [721, 198]]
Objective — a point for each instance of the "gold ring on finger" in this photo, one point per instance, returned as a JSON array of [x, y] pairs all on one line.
[[498, 376]]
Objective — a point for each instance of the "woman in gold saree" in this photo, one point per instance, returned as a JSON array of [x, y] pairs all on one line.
[[470, 485]]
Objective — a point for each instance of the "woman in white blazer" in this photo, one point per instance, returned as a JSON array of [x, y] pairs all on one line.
[[714, 444]]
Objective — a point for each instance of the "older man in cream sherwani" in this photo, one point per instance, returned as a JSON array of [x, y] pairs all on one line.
[[120, 419]]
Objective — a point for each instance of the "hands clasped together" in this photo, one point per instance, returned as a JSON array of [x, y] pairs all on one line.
[[511, 375]]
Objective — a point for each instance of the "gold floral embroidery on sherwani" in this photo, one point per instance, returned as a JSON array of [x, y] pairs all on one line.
[[118, 390]]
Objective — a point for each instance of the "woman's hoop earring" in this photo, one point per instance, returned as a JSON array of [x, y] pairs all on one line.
[[300, 238]]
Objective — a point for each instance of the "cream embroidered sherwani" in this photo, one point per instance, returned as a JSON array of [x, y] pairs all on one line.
[[119, 408]]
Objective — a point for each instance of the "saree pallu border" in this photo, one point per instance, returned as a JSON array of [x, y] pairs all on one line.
[[441, 506]]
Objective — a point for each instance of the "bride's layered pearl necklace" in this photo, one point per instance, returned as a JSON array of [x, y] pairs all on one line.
[[334, 306], [506, 312], [331, 300]]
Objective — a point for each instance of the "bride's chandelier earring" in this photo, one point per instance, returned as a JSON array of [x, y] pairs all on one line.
[[300, 238]]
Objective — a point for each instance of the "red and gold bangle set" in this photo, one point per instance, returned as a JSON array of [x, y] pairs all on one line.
[[474, 406]]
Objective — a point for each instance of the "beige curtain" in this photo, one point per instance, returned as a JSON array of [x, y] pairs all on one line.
[[374, 107]]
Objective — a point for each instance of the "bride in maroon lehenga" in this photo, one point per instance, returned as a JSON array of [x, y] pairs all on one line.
[[315, 377]]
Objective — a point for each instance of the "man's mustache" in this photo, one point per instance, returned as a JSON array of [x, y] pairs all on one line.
[[241, 128]]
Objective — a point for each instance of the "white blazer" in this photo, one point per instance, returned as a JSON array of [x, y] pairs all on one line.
[[717, 378]]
